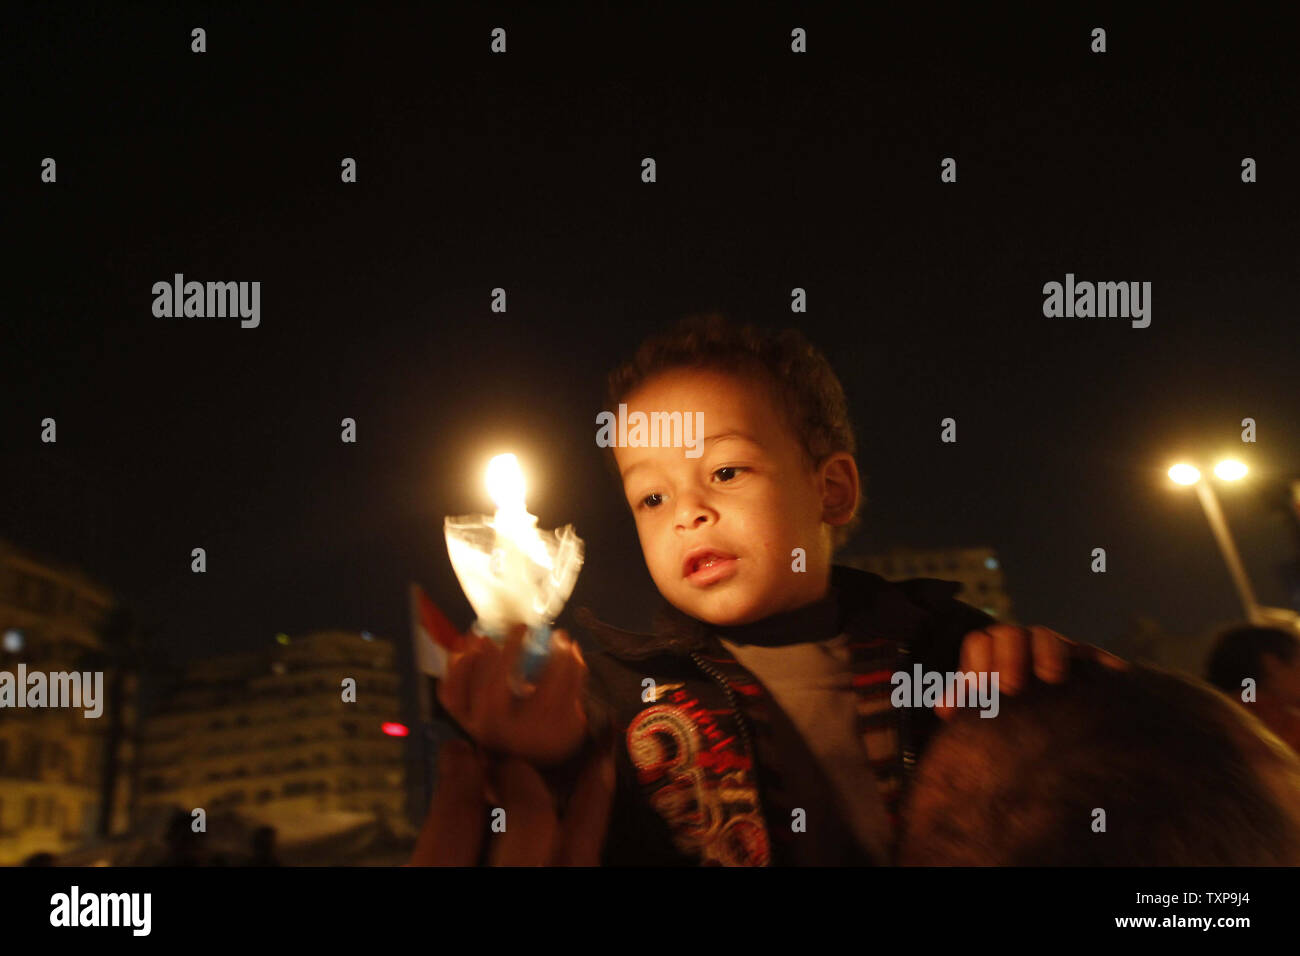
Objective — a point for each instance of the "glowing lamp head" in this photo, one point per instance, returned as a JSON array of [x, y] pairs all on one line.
[[1184, 474], [505, 483], [1230, 470]]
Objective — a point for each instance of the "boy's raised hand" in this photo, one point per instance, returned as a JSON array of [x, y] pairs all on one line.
[[546, 727], [1010, 651]]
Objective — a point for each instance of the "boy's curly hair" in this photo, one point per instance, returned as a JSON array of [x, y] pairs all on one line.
[[793, 372]]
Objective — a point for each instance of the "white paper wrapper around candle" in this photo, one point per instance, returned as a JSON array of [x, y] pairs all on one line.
[[505, 585]]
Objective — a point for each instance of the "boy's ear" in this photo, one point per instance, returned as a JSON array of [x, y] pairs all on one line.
[[840, 489]]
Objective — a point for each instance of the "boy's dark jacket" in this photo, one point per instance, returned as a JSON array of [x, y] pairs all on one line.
[[689, 790]]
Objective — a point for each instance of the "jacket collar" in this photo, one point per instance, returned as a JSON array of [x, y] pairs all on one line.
[[858, 602]]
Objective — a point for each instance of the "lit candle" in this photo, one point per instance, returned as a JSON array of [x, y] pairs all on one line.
[[511, 572]]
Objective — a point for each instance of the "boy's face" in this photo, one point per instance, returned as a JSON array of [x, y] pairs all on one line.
[[717, 530]]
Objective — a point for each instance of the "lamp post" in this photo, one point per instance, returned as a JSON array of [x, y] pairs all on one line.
[[1231, 470]]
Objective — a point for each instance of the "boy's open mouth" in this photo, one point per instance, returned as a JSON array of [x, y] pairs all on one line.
[[705, 565]]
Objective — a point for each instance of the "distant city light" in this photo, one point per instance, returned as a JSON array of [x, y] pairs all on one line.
[[394, 730], [367, 636], [13, 641], [277, 667], [991, 563], [282, 638]]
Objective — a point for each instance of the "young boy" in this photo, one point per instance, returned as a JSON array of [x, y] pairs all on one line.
[[755, 726]]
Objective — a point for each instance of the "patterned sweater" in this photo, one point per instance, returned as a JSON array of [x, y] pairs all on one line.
[[711, 771]]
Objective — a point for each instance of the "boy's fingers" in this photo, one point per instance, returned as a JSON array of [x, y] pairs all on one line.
[[562, 680], [582, 832], [487, 684], [1051, 655], [530, 826], [511, 669], [453, 829], [552, 667], [1010, 656], [513, 646], [453, 689], [575, 678]]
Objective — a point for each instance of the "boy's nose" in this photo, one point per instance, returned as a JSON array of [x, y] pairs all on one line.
[[695, 514]]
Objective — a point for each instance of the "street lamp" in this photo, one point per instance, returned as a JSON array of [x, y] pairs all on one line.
[[1231, 470]]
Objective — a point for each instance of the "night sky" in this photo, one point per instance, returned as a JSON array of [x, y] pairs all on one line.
[[522, 170]]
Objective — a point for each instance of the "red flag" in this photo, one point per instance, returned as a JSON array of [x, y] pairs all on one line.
[[433, 634]]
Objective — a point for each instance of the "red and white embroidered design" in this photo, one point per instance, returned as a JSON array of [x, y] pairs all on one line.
[[707, 796]]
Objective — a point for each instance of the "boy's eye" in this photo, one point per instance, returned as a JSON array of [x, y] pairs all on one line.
[[728, 473], [652, 500]]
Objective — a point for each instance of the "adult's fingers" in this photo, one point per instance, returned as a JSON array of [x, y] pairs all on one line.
[[1051, 655], [582, 831], [977, 651], [1010, 656], [530, 825], [453, 829], [1110, 660]]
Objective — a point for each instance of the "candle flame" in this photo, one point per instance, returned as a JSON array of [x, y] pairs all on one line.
[[505, 483]]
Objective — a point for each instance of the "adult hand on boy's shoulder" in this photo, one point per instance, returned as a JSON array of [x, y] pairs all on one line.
[[1011, 651], [546, 727], [470, 785]]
